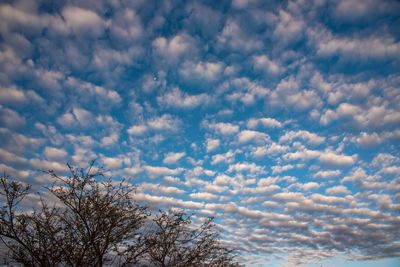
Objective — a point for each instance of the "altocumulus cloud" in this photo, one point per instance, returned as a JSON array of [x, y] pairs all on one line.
[[282, 119]]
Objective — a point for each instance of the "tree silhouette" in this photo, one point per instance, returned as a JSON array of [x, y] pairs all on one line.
[[94, 221], [175, 242]]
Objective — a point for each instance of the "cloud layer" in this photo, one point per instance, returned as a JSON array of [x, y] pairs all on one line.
[[282, 119]]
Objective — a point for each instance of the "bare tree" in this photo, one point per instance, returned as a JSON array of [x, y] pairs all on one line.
[[175, 242], [95, 222]]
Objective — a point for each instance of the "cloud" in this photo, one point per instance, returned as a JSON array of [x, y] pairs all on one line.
[[327, 174], [112, 163], [246, 136], [202, 71], [175, 98], [338, 190], [53, 153], [251, 168], [350, 48], [279, 169], [11, 118], [137, 130], [110, 139], [173, 157], [102, 94], [239, 95], [310, 138], [235, 38], [266, 65], [164, 123], [224, 128], [40, 164], [8, 157], [168, 201], [287, 95], [246, 91], [227, 157], [156, 171], [172, 49], [76, 117], [83, 21], [271, 149], [16, 96], [289, 28], [326, 157], [266, 122], [335, 159], [212, 144], [203, 196], [157, 189], [368, 9]]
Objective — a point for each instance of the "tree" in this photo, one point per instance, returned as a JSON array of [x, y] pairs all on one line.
[[174, 242], [96, 222]]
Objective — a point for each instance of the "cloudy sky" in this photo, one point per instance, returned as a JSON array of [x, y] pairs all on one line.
[[282, 119]]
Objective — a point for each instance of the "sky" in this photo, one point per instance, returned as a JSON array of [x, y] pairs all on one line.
[[279, 118]]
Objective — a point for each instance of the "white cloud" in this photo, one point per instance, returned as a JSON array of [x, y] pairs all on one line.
[[327, 174], [84, 89], [165, 122], [11, 118], [353, 10], [212, 144], [12, 95], [279, 169], [202, 71], [169, 201], [246, 91], [288, 95], [227, 157], [263, 63], [203, 196], [310, 186], [359, 48], [40, 164], [137, 130], [14, 172], [156, 171], [8, 157], [246, 136], [223, 128], [245, 167], [234, 37], [271, 149], [222, 179], [175, 98], [110, 139], [289, 28], [83, 21], [335, 159], [53, 153], [157, 189], [77, 116], [266, 122], [173, 158], [338, 190], [173, 48], [112, 163], [310, 138], [289, 196]]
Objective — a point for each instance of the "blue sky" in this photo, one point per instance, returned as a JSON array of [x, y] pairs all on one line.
[[280, 118]]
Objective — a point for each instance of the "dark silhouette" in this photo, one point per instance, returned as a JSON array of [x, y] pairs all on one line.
[[95, 222]]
